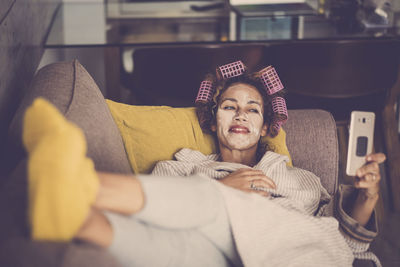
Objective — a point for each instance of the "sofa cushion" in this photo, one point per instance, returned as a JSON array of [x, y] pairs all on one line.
[[73, 91], [154, 133]]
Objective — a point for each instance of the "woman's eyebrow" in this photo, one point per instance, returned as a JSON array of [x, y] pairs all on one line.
[[228, 98], [254, 102], [235, 100]]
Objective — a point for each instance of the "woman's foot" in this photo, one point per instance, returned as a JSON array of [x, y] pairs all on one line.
[[62, 181]]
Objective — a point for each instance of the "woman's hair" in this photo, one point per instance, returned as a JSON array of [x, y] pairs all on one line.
[[206, 111]]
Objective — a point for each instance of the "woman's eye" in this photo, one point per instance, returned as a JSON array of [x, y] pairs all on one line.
[[254, 110], [229, 108]]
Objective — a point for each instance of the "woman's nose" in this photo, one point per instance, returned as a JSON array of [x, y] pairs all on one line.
[[241, 116]]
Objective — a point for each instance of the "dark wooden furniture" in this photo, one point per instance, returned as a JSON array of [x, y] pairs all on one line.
[[392, 141], [172, 76]]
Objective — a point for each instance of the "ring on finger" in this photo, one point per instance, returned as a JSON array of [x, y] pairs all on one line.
[[252, 185], [370, 177]]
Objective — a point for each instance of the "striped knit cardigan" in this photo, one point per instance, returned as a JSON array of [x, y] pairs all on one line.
[[294, 226]]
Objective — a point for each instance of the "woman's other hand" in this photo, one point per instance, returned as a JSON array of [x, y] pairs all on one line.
[[368, 176], [367, 181], [249, 180]]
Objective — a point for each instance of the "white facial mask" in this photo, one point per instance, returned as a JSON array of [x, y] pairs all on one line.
[[240, 117]]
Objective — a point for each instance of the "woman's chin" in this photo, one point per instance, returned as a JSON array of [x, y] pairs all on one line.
[[239, 144]]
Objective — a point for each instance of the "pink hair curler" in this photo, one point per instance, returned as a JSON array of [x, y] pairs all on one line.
[[232, 70], [271, 80], [279, 107], [205, 92], [277, 125]]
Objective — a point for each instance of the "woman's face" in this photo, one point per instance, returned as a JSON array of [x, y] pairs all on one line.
[[239, 119]]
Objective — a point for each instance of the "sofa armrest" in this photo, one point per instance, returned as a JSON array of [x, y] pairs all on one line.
[[313, 144], [17, 249], [20, 251], [69, 87]]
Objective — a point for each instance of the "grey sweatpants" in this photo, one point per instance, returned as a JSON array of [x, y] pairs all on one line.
[[184, 223]]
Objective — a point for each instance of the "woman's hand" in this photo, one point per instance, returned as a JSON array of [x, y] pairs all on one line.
[[248, 180], [368, 176], [367, 181]]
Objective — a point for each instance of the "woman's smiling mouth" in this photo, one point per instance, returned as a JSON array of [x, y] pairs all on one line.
[[239, 129]]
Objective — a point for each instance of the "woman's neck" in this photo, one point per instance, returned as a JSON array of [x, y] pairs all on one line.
[[247, 157]]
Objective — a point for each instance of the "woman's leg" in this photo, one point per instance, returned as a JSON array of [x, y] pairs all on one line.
[[135, 242], [167, 208], [171, 202], [96, 229], [65, 191], [119, 193]]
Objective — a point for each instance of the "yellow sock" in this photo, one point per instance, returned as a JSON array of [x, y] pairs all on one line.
[[62, 180]]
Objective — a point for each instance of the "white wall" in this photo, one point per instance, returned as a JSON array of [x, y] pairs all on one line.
[[82, 1], [77, 28], [91, 58]]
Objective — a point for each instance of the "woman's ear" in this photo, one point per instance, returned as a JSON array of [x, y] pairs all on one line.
[[264, 130]]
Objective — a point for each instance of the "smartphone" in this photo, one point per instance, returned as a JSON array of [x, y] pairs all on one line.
[[361, 138]]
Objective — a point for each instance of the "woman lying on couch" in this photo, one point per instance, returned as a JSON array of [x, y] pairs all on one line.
[[197, 221]]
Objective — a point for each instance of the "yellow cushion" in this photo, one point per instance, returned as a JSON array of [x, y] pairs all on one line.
[[154, 133]]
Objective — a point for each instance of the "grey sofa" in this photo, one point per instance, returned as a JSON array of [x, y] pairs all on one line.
[[311, 139]]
